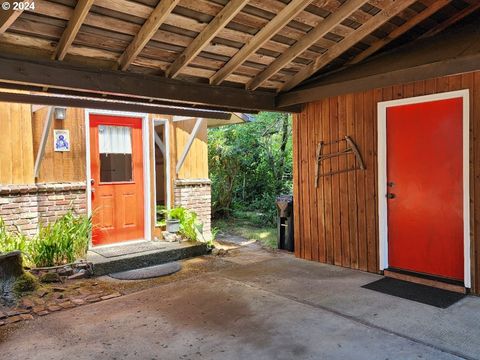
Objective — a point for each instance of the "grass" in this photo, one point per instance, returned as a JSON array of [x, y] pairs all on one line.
[[244, 225]]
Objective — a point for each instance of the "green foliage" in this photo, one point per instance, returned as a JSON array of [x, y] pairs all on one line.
[[25, 283], [189, 227], [61, 242], [160, 212], [11, 241], [57, 243], [250, 164]]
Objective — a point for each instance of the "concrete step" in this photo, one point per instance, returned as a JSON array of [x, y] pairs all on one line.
[[171, 252]]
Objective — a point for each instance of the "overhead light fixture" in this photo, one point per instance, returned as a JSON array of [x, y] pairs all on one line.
[[59, 113]]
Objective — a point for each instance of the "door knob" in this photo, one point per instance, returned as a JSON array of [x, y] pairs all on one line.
[[390, 196]]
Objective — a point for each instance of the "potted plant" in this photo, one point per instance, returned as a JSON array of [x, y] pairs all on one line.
[[173, 225]]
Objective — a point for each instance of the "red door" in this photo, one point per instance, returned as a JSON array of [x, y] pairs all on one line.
[[116, 160], [425, 183]]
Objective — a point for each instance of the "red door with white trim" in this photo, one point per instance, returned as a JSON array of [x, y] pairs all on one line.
[[425, 188], [116, 161]]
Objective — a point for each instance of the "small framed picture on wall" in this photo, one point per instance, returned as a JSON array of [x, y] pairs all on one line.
[[61, 140]]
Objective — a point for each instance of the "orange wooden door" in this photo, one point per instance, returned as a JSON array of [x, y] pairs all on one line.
[[116, 161]]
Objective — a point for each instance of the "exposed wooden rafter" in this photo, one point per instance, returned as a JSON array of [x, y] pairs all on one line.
[[203, 39], [368, 27], [265, 34], [402, 29], [74, 24], [7, 17], [452, 20], [149, 28], [308, 40]]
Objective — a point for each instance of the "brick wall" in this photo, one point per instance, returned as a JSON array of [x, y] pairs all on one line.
[[195, 195], [24, 207]]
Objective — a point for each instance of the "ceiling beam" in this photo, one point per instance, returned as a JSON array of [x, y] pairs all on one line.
[[333, 52], [39, 101], [305, 42], [399, 31], [382, 79], [7, 17], [231, 9], [452, 20], [67, 77], [149, 28], [71, 31], [260, 38]]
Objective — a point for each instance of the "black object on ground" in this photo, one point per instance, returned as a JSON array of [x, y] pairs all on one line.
[[285, 222], [148, 272], [416, 292]]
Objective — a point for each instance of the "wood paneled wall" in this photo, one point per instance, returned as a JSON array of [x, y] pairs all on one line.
[[337, 222], [61, 166], [196, 162], [16, 147]]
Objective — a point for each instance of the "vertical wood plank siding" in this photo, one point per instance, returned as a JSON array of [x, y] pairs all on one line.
[[337, 222], [61, 166], [16, 146], [195, 165]]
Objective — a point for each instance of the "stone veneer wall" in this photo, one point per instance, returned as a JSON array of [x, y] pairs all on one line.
[[195, 195], [24, 207]]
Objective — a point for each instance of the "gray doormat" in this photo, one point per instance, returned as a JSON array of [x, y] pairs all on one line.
[[148, 272], [121, 250]]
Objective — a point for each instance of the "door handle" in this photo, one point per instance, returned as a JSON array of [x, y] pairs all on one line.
[[390, 196]]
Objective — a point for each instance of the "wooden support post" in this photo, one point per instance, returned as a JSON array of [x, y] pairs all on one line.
[[43, 141], [189, 143]]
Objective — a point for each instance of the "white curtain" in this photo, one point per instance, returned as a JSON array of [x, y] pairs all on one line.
[[114, 139]]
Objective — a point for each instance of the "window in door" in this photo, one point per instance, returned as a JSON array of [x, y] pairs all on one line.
[[115, 148]]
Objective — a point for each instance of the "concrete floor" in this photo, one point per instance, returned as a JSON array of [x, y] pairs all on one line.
[[259, 306]]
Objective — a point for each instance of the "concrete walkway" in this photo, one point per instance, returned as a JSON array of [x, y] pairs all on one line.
[[258, 305]]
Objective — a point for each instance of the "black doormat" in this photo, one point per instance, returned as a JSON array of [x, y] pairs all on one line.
[[148, 272], [416, 292]]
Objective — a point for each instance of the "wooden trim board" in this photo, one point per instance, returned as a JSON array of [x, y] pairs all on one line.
[[423, 281]]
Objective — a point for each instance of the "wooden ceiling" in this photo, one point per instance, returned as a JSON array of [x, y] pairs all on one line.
[[252, 44]]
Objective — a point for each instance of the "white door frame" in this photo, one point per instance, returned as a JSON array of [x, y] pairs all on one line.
[[167, 162], [146, 163], [382, 173]]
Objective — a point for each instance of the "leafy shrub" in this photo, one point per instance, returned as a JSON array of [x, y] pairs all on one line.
[[189, 226], [160, 212], [61, 242], [250, 164], [11, 241]]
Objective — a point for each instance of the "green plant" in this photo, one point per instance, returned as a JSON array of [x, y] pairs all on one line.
[[61, 242], [160, 212], [11, 241], [189, 227]]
